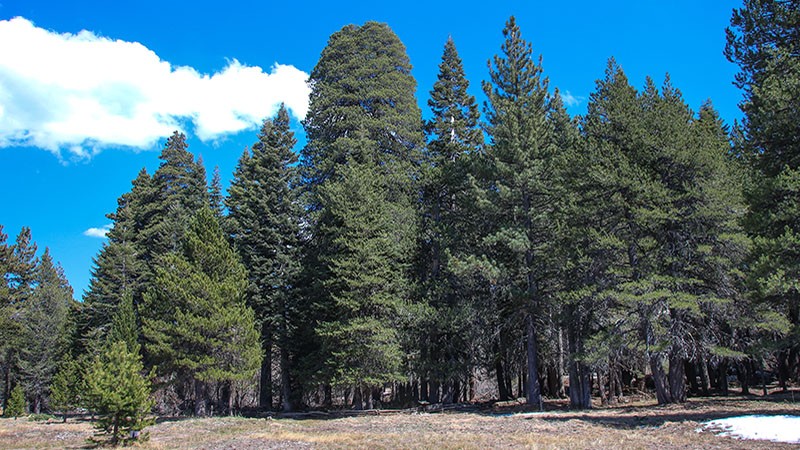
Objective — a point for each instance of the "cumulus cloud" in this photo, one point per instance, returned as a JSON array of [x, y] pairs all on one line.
[[571, 100], [82, 92], [98, 232]]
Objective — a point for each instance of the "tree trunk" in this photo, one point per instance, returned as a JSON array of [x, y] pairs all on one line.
[[659, 379], [722, 374], [225, 402], [560, 368], [472, 394], [286, 382], [200, 399], [501, 381], [704, 378], [783, 369], [554, 387], [369, 402], [691, 375], [743, 371], [580, 387], [327, 396], [231, 396], [265, 385], [533, 390], [434, 395], [6, 383], [115, 430], [677, 378], [448, 392], [358, 404]]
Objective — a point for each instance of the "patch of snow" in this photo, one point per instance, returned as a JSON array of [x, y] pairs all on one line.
[[520, 414], [768, 428]]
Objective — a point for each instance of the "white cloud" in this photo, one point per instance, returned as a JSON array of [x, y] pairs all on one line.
[[571, 100], [98, 232], [83, 92]]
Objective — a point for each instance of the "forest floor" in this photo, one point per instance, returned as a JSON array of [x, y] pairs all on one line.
[[637, 424]]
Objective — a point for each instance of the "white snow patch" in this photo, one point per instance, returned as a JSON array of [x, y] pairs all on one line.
[[768, 428], [521, 414]]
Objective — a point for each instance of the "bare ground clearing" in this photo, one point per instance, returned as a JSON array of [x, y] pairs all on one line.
[[633, 425]]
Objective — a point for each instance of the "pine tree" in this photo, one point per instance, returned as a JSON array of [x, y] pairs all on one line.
[[7, 325], [763, 41], [365, 284], [20, 281], [124, 325], [522, 192], [180, 190], [118, 393], [265, 218], [596, 250], [45, 329], [119, 268], [21, 278], [363, 121], [449, 339], [65, 394], [195, 321], [6, 254], [16, 405], [215, 196]]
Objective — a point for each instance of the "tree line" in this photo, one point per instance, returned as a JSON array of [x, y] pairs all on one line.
[[393, 260]]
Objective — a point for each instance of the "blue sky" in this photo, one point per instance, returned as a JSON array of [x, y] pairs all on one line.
[[81, 114]]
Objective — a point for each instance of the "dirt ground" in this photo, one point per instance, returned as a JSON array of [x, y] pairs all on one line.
[[639, 424]]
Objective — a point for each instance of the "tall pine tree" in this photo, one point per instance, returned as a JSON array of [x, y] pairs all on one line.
[[363, 124], [763, 40], [265, 219], [521, 195], [196, 324], [46, 329], [448, 337]]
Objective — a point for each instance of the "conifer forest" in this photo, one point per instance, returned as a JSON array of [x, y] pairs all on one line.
[[494, 251]]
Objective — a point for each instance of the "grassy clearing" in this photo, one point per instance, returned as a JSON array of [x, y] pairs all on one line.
[[635, 425]]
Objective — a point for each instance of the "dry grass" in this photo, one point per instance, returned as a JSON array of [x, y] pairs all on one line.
[[635, 425]]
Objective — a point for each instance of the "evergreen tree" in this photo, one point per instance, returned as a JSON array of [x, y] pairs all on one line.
[[21, 278], [448, 336], [180, 190], [45, 330], [522, 193], [20, 275], [118, 393], [763, 41], [365, 284], [124, 325], [363, 121], [215, 196], [597, 251], [265, 218], [65, 393], [16, 405], [195, 321], [7, 325], [119, 267]]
